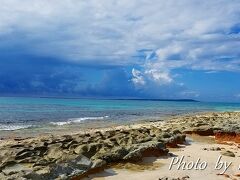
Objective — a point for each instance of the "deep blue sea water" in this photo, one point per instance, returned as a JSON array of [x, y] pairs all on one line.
[[21, 112]]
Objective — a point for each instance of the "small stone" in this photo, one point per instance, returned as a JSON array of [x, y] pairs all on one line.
[[185, 177], [228, 153]]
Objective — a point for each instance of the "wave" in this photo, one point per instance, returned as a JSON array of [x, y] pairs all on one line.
[[9, 127], [78, 120], [60, 123]]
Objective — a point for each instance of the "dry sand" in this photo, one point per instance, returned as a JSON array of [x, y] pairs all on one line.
[[199, 147]]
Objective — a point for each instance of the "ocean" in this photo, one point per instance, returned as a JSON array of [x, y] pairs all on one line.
[[41, 114]]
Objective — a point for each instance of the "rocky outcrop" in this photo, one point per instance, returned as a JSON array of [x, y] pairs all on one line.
[[224, 126], [68, 156], [224, 136]]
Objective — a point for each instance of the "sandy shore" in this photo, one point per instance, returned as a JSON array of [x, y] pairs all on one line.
[[152, 168], [78, 155]]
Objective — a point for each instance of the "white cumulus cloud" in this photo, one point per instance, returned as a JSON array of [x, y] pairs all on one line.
[[138, 78]]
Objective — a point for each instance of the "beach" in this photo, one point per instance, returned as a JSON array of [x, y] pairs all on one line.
[[203, 148], [119, 90], [124, 149]]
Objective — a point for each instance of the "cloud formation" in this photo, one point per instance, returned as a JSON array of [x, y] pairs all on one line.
[[153, 38], [113, 31]]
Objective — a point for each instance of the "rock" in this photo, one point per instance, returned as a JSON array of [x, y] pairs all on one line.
[[81, 148], [54, 152], [14, 169], [166, 135], [2, 176], [98, 163], [24, 154], [164, 178], [62, 168], [138, 151], [62, 177], [116, 154], [42, 162], [67, 156], [177, 131], [44, 171], [41, 149], [63, 157], [76, 172], [216, 149], [144, 139], [88, 150], [175, 140], [170, 178], [213, 149], [185, 177], [34, 175], [202, 131], [133, 155], [83, 162], [228, 153]]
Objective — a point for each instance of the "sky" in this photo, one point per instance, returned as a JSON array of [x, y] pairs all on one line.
[[121, 49]]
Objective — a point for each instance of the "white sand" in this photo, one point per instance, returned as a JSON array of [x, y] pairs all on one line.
[[191, 153]]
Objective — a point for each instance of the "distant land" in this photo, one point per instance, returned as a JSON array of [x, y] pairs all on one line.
[[183, 100], [134, 99]]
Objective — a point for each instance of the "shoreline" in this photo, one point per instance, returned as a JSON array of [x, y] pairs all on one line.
[[69, 129], [76, 154]]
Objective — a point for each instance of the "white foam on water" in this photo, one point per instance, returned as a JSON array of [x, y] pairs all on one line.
[[87, 118], [60, 123], [78, 120], [10, 127]]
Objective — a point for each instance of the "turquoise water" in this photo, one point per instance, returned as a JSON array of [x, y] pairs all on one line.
[[20, 112]]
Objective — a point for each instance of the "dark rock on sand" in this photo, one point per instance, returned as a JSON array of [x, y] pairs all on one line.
[[170, 178], [228, 153]]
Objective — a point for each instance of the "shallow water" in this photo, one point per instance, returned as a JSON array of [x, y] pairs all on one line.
[[44, 114]]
